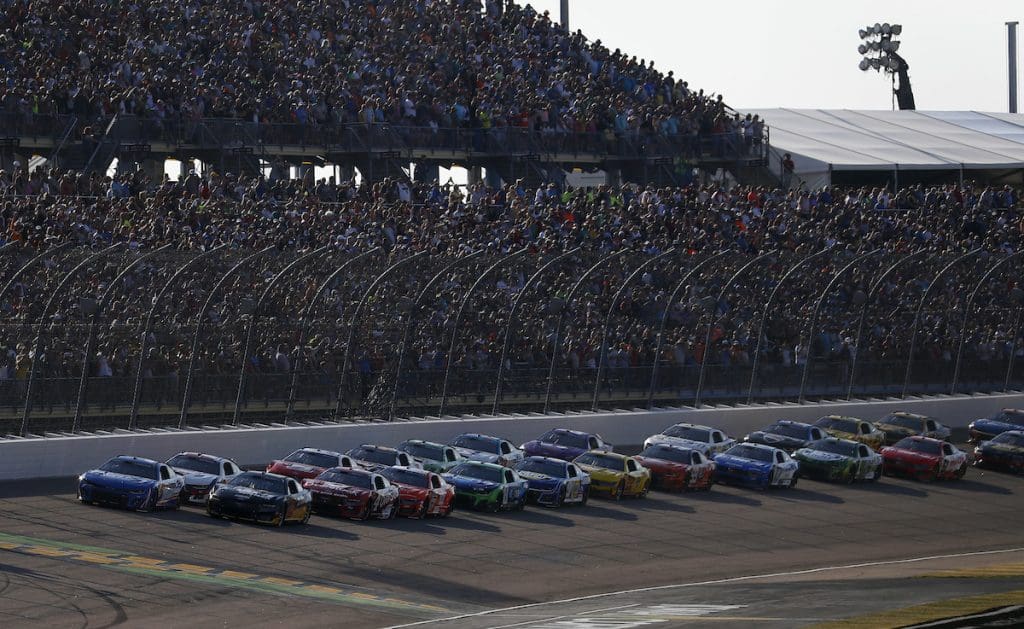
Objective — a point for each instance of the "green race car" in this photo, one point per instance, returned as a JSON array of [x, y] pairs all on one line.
[[487, 486], [840, 460]]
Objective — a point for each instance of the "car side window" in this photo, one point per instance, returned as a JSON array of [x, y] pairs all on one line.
[[718, 437], [865, 429], [508, 477], [435, 482], [863, 452], [929, 425], [631, 465], [165, 472], [403, 459], [449, 455], [947, 450], [816, 434], [505, 448], [571, 471], [293, 487], [229, 469], [592, 442], [695, 458], [378, 482], [779, 458]]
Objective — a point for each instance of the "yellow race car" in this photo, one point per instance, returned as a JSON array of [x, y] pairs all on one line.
[[853, 429], [615, 474]]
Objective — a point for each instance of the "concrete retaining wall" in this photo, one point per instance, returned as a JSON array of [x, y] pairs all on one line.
[[67, 456]]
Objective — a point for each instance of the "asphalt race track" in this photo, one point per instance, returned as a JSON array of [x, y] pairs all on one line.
[[63, 564]]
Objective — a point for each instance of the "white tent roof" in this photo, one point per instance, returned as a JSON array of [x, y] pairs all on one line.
[[821, 140]]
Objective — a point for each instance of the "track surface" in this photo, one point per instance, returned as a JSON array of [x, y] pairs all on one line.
[[173, 568]]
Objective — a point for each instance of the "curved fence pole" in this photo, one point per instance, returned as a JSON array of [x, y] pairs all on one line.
[[664, 318], [37, 355], [458, 319], [512, 316], [561, 321], [872, 292], [920, 309], [411, 320], [603, 351], [354, 322], [186, 399], [817, 311], [35, 260], [764, 316], [967, 316], [250, 329], [711, 324], [150, 320], [83, 382], [293, 383]]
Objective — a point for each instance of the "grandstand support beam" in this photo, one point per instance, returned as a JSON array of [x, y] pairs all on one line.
[[603, 349], [920, 309], [872, 292], [967, 316], [90, 343], [186, 399], [296, 368], [513, 315], [38, 343], [411, 320], [251, 327], [458, 320], [354, 322], [766, 309], [556, 339], [150, 320], [817, 311], [705, 359], [683, 283]]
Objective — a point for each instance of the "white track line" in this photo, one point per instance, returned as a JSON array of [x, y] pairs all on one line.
[[750, 577]]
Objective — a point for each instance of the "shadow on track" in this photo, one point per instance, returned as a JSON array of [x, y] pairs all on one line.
[[190, 515], [726, 497], [887, 486], [458, 520], [965, 484], [323, 532], [659, 503], [595, 510], [803, 494]]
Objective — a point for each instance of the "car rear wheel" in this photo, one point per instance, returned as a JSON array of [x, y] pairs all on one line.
[[280, 519], [560, 498], [150, 502], [932, 475], [422, 512], [792, 482], [644, 490], [878, 473], [393, 510], [309, 512], [448, 511], [617, 492], [585, 497], [960, 472]]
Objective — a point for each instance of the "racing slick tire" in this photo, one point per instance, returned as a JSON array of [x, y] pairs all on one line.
[[279, 521], [422, 512], [792, 482], [961, 471], [305, 518], [932, 475], [617, 492], [149, 504], [878, 474], [447, 512], [560, 499], [643, 491], [393, 513]]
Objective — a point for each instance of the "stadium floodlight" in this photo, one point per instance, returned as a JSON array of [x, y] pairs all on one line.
[[862, 49], [885, 45], [863, 34], [877, 28], [878, 47], [894, 65], [876, 63], [897, 29], [865, 64], [886, 29], [894, 46]]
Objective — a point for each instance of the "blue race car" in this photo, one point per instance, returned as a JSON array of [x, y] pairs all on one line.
[[487, 449], [755, 464], [988, 427], [565, 444], [487, 486], [554, 482], [132, 483]]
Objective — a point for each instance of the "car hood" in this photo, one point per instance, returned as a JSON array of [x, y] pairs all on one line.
[[298, 468], [196, 478], [477, 455], [679, 441], [246, 493], [896, 430], [772, 439], [911, 457], [728, 459], [661, 464], [117, 481], [602, 473], [336, 489], [818, 456], [993, 425], [471, 484], [537, 477]]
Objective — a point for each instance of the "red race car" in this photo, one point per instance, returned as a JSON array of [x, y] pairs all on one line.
[[420, 493], [309, 463], [924, 458], [676, 468], [356, 494]]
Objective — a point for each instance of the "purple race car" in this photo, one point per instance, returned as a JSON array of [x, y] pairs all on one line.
[[565, 444]]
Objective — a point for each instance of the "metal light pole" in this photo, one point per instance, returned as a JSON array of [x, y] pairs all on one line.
[[1011, 66], [564, 18]]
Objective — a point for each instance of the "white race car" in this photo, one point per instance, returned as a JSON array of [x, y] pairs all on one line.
[[705, 439], [202, 472]]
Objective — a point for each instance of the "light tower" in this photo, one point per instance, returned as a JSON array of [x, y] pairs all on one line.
[[564, 16], [879, 49]]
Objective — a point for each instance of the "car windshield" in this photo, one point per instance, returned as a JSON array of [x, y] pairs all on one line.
[[666, 453], [568, 439], [260, 482], [196, 464], [903, 421], [478, 471], [131, 468], [1010, 416], [597, 459], [481, 444], [423, 451], [348, 477], [1010, 439], [838, 424], [312, 458], [406, 477], [788, 430], [920, 445], [548, 468], [689, 432], [373, 455], [750, 452], [835, 447]]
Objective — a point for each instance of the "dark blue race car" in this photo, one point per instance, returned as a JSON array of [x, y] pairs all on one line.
[[788, 435], [554, 482], [988, 427], [757, 465], [133, 483], [565, 444], [1005, 452]]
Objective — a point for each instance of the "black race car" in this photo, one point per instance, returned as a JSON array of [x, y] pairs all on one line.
[[787, 435], [261, 497]]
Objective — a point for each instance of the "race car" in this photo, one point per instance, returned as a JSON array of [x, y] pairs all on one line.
[[487, 449], [132, 482], [841, 460], [708, 440], [924, 458], [377, 458], [353, 493], [487, 486], [786, 435], [202, 472], [565, 444], [758, 465], [309, 463], [997, 423], [554, 482], [261, 497], [675, 468], [1004, 452], [433, 457], [420, 493], [614, 474], [853, 429], [901, 424]]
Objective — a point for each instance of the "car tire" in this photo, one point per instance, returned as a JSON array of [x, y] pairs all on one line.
[[878, 474], [393, 513], [792, 482], [492, 507], [560, 499], [644, 491], [309, 512], [422, 512], [849, 478], [365, 514], [149, 504], [585, 497], [451, 507], [617, 492], [961, 471]]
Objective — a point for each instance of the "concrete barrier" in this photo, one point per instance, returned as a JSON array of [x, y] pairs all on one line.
[[67, 456]]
